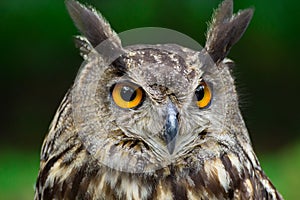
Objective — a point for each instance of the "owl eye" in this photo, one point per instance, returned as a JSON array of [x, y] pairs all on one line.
[[203, 95], [127, 95]]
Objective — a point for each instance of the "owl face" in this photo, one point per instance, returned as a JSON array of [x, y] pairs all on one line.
[[157, 103], [145, 107]]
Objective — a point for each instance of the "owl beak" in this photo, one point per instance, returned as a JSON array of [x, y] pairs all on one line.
[[171, 127]]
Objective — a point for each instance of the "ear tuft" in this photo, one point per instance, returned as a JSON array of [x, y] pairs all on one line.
[[226, 29], [223, 12], [91, 24]]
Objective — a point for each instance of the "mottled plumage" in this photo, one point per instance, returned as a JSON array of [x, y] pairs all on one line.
[[152, 121]]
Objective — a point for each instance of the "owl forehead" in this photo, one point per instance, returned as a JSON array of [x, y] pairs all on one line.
[[167, 67]]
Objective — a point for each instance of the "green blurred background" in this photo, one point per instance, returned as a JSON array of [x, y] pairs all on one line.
[[39, 62]]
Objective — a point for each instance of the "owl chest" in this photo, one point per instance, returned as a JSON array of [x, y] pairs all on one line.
[[218, 178], [181, 185]]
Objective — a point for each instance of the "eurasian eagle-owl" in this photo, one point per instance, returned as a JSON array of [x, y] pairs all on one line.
[[152, 121]]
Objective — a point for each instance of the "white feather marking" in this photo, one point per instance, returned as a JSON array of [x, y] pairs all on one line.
[[164, 192], [113, 178], [55, 172], [191, 196], [235, 162], [227, 60], [268, 188], [222, 174], [249, 187], [66, 173], [130, 189], [101, 182], [215, 169]]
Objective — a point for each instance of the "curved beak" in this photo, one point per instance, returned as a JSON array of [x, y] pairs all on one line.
[[171, 127]]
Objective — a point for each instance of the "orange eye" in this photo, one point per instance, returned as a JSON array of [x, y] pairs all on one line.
[[203, 95], [127, 95]]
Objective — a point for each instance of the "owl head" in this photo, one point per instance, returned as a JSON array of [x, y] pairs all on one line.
[[143, 107]]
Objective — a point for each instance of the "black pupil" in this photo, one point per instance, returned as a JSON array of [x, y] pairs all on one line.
[[199, 92], [128, 93]]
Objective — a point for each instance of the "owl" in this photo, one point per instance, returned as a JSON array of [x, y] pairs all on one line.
[[152, 121]]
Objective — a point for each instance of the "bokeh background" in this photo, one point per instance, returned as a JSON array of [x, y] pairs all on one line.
[[39, 63]]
